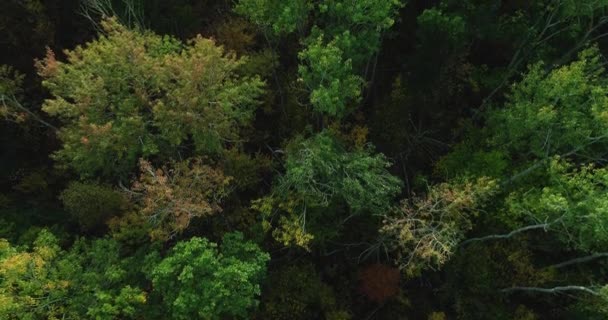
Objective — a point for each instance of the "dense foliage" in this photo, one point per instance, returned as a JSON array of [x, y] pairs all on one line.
[[303, 159]]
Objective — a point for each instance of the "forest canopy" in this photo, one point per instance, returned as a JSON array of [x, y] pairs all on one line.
[[304, 159]]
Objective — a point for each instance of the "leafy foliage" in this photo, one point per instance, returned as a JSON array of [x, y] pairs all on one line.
[[92, 204], [573, 199], [358, 25], [171, 198], [487, 119], [561, 113], [426, 231], [328, 74], [320, 170], [199, 280], [334, 52], [545, 145], [88, 281], [321, 175], [557, 114], [276, 16], [133, 94]]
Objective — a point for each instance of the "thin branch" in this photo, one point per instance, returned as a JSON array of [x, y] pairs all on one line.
[[554, 290], [544, 160], [580, 260], [543, 226], [4, 100], [125, 189]]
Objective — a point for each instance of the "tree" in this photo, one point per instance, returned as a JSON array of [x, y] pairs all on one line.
[[379, 282], [170, 198], [27, 289], [320, 169], [91, 280], [104, 284], [573, 198], [345, 32], [546, 148], [91, 204], [199, 280], [426, 231], [132, 94], [275, 16], [11, 95], [359, 25], [321, 177], [561, 113], [327, 73]]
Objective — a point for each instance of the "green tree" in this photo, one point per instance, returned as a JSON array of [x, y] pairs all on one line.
[[546, 149], [91, 280], [199, 280], [276, 16], [320, 169], [104, 284], [358, 24], [328, 73], [324, 185], [573, 200], [561, 113], [132, 94], [28, 290]]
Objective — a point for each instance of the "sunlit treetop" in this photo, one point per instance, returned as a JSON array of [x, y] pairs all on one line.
[[328, 73], [132, 94], [559, 113], [200, 280]]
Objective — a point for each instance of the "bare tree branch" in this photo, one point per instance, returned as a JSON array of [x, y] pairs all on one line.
[[12, 102], [554, 290], [580, 260], [545, 226]]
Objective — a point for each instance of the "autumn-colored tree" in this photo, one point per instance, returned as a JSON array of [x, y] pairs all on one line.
[[379, 282], [426, 231], [132, 94], [169, 198]]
